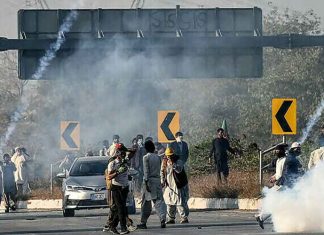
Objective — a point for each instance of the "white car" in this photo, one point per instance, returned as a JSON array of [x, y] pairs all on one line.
[[84, 187]]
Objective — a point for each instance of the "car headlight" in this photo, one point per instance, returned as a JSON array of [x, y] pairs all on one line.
[[73, 188]]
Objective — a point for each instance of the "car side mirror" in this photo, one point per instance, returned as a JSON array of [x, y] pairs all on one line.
[[61, 175]]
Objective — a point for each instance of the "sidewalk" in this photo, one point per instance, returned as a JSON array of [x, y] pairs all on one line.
[[193, 203]]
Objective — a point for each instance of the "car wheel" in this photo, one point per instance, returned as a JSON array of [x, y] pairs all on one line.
[[68, 212]]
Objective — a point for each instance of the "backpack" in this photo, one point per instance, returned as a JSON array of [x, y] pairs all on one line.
[[180, 178]]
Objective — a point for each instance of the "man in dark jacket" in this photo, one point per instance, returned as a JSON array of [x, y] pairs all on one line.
[[219, 149], [180, 147], [292, 167], [9, 185]]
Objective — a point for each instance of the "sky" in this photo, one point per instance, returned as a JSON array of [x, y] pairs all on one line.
[[9, 8]]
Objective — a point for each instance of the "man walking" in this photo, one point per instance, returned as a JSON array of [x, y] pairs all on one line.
[[151, 187], [220, 146], [117, 172]]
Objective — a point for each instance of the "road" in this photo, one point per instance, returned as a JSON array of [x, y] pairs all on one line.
[[225, 222]]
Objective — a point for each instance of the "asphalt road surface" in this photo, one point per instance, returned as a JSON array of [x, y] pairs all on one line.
[[91, 222]]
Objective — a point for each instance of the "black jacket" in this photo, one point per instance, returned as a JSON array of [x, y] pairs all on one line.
[[184, 154], [219, 149]]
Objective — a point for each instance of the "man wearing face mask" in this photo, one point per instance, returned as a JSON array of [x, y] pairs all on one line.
[[112, 149], [293, 168], [117, 172], [180, 147]]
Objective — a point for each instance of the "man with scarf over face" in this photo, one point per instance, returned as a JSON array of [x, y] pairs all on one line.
[[117, 172]]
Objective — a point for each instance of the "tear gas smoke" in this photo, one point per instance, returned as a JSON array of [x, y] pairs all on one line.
[[54, 47], [43, 64], [299, 209], [314, 118]]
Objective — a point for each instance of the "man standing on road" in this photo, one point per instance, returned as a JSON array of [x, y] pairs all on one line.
[[117, 172], [151, 187], [180, 147], [220, 146], [176, 193]]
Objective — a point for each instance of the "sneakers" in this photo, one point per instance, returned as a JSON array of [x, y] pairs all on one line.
[[260, 221], [124, 231], [13, 207], [184, 221], [131, 228], [171, 221], [111, 230], [141, 226]]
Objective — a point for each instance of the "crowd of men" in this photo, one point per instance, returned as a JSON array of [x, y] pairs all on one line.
[[162, 180], [14, 177], [162, 176]]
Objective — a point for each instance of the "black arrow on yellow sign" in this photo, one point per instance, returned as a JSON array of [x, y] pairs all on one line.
[[165, 126], [280, 115], [67, 135]]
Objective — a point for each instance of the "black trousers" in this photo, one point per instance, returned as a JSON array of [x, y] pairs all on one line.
[[118, 209], [8, 196]]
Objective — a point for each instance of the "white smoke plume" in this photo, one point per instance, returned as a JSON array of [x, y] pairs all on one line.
[[314, 118], [299, 209], [54, 47], [43, 64]]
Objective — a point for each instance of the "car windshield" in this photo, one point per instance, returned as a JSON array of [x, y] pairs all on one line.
[[88, 168]]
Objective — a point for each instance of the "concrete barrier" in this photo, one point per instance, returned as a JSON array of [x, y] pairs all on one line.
[[193, 203]]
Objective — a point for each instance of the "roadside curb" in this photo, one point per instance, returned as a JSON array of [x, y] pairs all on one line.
[[193, 203]]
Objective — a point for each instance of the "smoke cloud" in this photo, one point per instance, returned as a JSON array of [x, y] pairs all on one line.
[[54, 47], [313, 119], [43, 64], [298, 209]]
